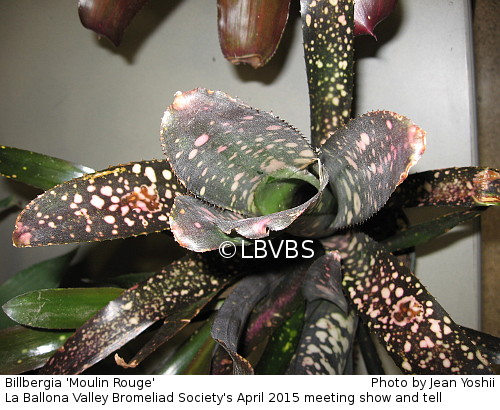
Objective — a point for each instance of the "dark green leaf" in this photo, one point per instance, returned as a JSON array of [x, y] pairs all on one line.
[[467, 186], [250, 30], [326, 342], [328, 32], [38, 170], [109, 18], [425, 231], [59, 308], [282, 344], [25, 349], [46, 274], [367, 159], [194, 356], [121, 201], [177, 287], [8, 202], [416, 331]]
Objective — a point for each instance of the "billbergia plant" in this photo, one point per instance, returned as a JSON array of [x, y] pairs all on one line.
[[330, 272]]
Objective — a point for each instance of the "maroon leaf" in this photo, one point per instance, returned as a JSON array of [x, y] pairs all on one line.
[[327, 30], [109, 18], [367, 159], [184, 285], [467, 186], [250, 30], [121, 201], [416, 331], [368, 13]]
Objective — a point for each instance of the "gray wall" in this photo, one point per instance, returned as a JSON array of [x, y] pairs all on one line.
[[68, 94]]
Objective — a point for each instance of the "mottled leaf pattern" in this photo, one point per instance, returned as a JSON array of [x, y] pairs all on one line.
[[416, 331], [179, 285], [250, 30], [489, 345], [109, 18], [190, 217], [38, 170], [327, 28], [467, 186], [367, 159], [121, 201], [24, 349], [425, 231], [221, 149], [367, 348], [368, 13], [326, 341]]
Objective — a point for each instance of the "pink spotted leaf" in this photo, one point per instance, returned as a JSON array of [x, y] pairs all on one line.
[[464, 187], [366, 160], [121, 201], [415, 329]]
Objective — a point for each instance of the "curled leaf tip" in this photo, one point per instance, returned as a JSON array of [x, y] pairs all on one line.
[[488, 187], [368, 13]]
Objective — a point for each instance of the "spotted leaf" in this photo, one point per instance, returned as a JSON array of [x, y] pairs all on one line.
[[38, 170], [327, 29], [416, 331], [201, 227], [189, 280], [222, 150], [467, 186], [368, 13], [326, 341], [121, 201], [109, 18], [367, 159], [250, 30]]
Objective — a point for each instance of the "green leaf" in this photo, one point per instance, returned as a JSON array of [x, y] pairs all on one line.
[[366, 160], [416, 331], [328, 33], [326, 342], [426, 231], [466, 186], [46, 274], [121, 201], [250, 30], [24, 349], [194, 355], [109, 18], [59, 308], [282, 344], [38, 170], [8, 202], [180, 285]]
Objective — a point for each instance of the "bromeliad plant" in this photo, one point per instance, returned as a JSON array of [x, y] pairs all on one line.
[[235, 177]]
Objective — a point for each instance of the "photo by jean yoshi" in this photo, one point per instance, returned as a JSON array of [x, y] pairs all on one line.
[[247, 187]]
